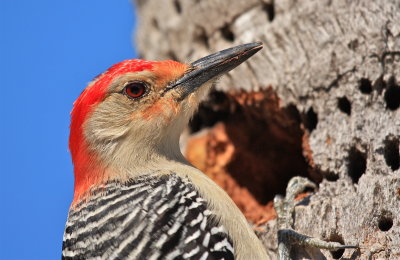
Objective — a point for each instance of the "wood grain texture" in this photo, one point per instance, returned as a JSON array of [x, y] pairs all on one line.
[[337, 61]]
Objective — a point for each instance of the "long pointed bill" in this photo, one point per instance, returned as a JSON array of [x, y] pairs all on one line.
[[214, 65]]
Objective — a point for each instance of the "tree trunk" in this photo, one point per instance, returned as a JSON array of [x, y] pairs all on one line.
[[320, 100]]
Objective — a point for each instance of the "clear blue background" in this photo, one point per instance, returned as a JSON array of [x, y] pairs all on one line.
[[49, 51]]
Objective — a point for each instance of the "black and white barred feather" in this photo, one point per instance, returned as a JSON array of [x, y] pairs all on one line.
[[149, 218]]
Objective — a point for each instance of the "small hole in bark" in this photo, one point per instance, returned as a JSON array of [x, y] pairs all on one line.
[[344, 105], [155, 23], [172, 55], [365, 86], [392, 95], [201, 37], [270, 11], [357, 164], [385, 223], [310, 120], [227, 33], [204, 39], [330, 176], [178, 7], [353, 44], [338, 253], [391, 153]]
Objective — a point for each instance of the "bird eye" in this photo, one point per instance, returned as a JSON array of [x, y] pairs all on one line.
[[135, 89]]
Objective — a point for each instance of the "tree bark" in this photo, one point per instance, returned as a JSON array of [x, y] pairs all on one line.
[[321, 100]]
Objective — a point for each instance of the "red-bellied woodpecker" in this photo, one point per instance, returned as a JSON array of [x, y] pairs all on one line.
[[136, 197]]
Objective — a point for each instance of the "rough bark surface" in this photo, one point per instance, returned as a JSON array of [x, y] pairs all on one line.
[[321, 99]]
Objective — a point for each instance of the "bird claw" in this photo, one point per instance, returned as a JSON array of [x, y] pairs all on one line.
[[284, 206], [287, 237], [297, 185]]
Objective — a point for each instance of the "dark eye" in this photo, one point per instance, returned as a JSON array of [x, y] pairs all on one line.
[[135, 89]]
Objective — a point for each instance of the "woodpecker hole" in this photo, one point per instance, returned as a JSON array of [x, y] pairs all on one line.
[[227, 33], [310, 120], [172, 55], [265, 138], [178, 6], [365, 86], [329, 176], [391, 153], [392, 94], [200, 36], [357, 164], [336, 238], [344, 105], [155, 23], [352, 45], [269, 9], [385, 222]]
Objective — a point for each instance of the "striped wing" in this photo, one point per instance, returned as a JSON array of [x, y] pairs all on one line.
[[150, 218]]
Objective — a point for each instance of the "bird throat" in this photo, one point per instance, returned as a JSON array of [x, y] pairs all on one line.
[[89, 172]]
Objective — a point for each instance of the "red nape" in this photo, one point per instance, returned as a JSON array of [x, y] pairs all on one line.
[[85, 173]]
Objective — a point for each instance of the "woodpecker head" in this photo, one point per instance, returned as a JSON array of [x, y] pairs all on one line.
[[129, 118]]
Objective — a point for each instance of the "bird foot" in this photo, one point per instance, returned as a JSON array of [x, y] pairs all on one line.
[[287, 237]]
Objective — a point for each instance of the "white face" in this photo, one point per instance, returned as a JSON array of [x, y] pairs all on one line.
[[140, 119]]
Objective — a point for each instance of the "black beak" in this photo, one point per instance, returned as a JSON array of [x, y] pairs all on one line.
[[214, 65]]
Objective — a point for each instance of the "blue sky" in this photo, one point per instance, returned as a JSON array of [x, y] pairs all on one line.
[[49, 51]]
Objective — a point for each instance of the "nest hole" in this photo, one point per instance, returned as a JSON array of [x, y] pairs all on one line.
[[385, 223], [391, 153], [392, 94], [265, 138], [357, 164], [344, 105]]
